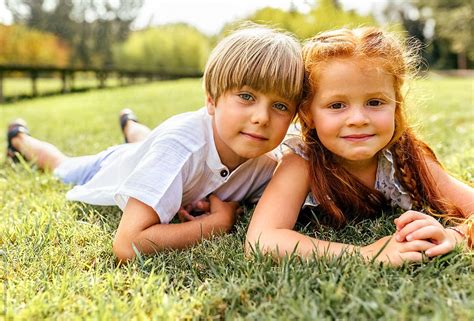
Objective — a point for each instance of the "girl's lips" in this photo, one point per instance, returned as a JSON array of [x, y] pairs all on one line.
[[357, 137], [254, 136]]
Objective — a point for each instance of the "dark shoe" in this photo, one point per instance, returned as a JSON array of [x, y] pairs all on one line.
[[126, 115], [14, 128]]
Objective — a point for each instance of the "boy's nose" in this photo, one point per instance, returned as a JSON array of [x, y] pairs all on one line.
[[260, 115], [357, 116]]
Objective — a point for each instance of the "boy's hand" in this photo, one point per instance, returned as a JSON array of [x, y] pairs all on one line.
[[222, 214], [216, 212], [413, 225], [389, 251], [191, 211]]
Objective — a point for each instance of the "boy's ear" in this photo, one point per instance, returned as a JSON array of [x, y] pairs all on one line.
[[210, 104]]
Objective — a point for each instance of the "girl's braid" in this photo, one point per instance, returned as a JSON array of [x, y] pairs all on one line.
[[404, 156]]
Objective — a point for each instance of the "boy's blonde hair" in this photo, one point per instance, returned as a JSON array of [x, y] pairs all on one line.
[[262, 58]]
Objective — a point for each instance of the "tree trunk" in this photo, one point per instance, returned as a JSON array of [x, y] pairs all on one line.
[[462, 60]]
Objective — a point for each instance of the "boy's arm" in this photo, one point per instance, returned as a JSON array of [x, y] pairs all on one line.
[[140, 227]]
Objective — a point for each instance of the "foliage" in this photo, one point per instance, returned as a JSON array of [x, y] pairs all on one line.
[[90, 27], [22, 45], [173, 47], [454, 21], [56, 261], [444, 26], [324, 15]]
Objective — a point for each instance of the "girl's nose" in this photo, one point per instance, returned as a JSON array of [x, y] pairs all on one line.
[[357, 116]]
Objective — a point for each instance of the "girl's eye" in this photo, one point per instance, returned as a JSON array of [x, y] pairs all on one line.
[[375, 103], [280, 106], [336, 106], [245, 96]]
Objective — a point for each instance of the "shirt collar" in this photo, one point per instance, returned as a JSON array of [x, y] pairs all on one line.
[[213, 160]]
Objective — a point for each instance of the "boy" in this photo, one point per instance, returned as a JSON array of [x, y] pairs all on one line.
[[253, 82]]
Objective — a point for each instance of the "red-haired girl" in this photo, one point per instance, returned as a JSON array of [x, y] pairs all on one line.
[[358, 156]]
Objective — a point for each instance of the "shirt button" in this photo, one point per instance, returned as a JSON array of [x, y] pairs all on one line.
[[224, 173]]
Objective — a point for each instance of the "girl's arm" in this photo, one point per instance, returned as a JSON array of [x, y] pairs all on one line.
[[416, 226], [271, 227]]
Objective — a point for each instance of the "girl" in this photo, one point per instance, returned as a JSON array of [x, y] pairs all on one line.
[[359, 156]]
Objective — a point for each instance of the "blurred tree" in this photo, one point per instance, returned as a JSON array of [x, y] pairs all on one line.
[[454, 22], [90, 26], [444, 26], [323, 15], [172, 48], [22, 45]]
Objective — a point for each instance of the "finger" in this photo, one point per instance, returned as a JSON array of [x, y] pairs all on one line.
[[412, 256], [184, 216], [440, 249], [427, 232], [204, 206], [234, 205], [215, 204], [180, 215], [400, 236], [404, 257], [410, 216], [416, 246]]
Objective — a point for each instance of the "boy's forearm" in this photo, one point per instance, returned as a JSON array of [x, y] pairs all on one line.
[[159, 237]]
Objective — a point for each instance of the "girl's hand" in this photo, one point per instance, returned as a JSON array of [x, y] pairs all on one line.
[[395, 253], [413, 225]]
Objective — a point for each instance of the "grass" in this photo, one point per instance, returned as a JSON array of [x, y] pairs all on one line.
[[57, 264]]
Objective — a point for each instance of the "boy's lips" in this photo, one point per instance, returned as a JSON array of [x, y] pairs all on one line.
[[254, 136], [357, 137]]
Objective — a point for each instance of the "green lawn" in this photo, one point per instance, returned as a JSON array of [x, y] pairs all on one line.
[[56, 259]]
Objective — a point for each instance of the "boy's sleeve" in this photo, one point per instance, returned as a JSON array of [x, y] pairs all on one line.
[[158, 179]]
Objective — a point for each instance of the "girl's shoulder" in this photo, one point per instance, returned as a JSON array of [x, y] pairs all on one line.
[[292, 142]]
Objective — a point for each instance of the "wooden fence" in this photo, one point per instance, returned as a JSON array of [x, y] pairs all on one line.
[[67, 76]]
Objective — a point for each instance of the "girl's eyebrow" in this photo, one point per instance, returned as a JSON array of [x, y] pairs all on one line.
[[378, 93], [337, 95]]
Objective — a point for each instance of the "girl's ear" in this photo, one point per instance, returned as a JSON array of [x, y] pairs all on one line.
[[210, 104]]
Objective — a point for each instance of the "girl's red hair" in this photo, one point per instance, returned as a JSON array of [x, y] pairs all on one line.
[[340, 194]]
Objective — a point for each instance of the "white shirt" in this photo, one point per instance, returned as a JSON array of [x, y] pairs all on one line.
[[177, 164]]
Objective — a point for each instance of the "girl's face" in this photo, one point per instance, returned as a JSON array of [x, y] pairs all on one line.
[[353, 110]]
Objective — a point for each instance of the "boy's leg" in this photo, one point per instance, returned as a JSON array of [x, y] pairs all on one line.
[[132, 129], [45, 155]]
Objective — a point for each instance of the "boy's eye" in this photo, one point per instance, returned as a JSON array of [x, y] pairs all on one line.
[[245, 96], [336, 106], [374, 103], [280, 106]]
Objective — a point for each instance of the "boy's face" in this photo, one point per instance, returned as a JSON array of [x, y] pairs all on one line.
[[248, 123]]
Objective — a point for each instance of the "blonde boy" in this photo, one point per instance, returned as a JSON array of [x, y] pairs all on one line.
[[253, 83]]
